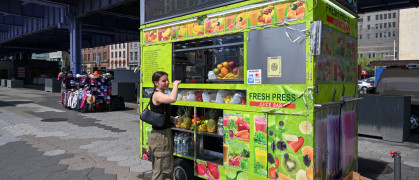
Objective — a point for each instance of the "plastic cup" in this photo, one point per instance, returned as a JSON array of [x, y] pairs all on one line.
[[253, 16], [261, 156], [280, 11], [174, 29]]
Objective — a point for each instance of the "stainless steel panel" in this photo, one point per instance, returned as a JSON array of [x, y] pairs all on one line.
[[273, 42]]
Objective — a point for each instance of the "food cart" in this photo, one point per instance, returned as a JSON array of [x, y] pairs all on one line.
[[268, 89]]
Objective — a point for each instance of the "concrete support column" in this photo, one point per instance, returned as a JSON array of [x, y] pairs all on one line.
[[75, 46]]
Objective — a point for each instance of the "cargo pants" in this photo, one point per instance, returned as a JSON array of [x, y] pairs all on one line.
[[161, 145]]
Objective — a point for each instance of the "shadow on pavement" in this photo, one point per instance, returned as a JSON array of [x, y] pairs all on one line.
[[373, 168], [34, 86], [13, 103]]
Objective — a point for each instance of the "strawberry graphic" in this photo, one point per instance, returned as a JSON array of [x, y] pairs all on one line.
[[296, 145], [213, 169]]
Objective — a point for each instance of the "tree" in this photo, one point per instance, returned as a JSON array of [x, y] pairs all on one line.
[[364, 63]]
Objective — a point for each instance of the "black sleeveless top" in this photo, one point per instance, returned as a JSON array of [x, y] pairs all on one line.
[[161, 109]]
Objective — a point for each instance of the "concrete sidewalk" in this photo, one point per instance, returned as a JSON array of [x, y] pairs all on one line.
[[77, 145], [375, 161]]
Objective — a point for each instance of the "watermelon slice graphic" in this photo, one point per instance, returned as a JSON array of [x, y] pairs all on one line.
[[296, 145]]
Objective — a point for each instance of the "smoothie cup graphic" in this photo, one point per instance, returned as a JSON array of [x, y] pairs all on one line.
[[229, 20], [190, 29], [260, 124], [147, 37], [261, 156], [174, 30], [280, 11], [225, 153], [253, 16]]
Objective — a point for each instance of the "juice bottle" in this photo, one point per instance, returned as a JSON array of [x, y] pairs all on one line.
[[225, 153], [253, 16], [280, 11], [229, 21]]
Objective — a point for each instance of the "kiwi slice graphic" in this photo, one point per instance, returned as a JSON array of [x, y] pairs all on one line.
[[290, 165]]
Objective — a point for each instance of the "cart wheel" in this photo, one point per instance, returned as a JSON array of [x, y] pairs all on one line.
[[183, 170]]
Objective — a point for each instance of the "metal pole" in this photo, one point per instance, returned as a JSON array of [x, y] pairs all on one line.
[[394, 50], [397, 166]]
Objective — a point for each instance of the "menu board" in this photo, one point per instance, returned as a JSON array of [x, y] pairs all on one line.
[[236, 21], [156, 58]]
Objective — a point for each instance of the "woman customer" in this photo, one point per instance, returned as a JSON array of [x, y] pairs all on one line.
[[161, 139]]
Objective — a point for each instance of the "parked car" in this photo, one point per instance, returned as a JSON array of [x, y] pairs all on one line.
[[363, 85]]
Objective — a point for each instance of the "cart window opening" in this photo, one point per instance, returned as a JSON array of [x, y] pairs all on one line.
[[210, 60]]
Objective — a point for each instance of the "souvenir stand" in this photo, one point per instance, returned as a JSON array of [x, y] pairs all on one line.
[[86, 93]]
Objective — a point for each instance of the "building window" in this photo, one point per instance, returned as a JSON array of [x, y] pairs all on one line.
[[381, 17], [360, 20], [373, 55], [105, 56], [389, 34], [385, 25], [123, 44], [385, 16], [88, 57], [94, 57], [385, 34], [131, 56], [360, 55], [376, 17], [381, 35], [376, 35], [119, 46], [368, 36], [369, 18], [130, 45], [112, 55], [360, 36], [360, 28], [376, 26], [369, 55], [394, 33], [123, 54], [136, 55], [389, 25], [135, 44], [382, 55], [381, 25], [368, 27], [394, 24], [389, 15], [394, 15], [85, 57], [100, 56]]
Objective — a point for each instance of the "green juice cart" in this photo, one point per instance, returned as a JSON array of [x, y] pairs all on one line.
[[268, 89]]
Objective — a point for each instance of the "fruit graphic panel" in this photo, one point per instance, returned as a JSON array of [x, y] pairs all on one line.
[[260, 129], [260, 163], [338, 69], [207, 170], [290, 152], [236, 21], [339, 43], [150, 36], [333, 130], [238, 126], [164, 34], [238, 154], [324, 68], [237, 174], [196, 28], [327, 41], [214, 25], [254, 15], [350, 47], [179, 31], [267, 15], [296, 10]]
